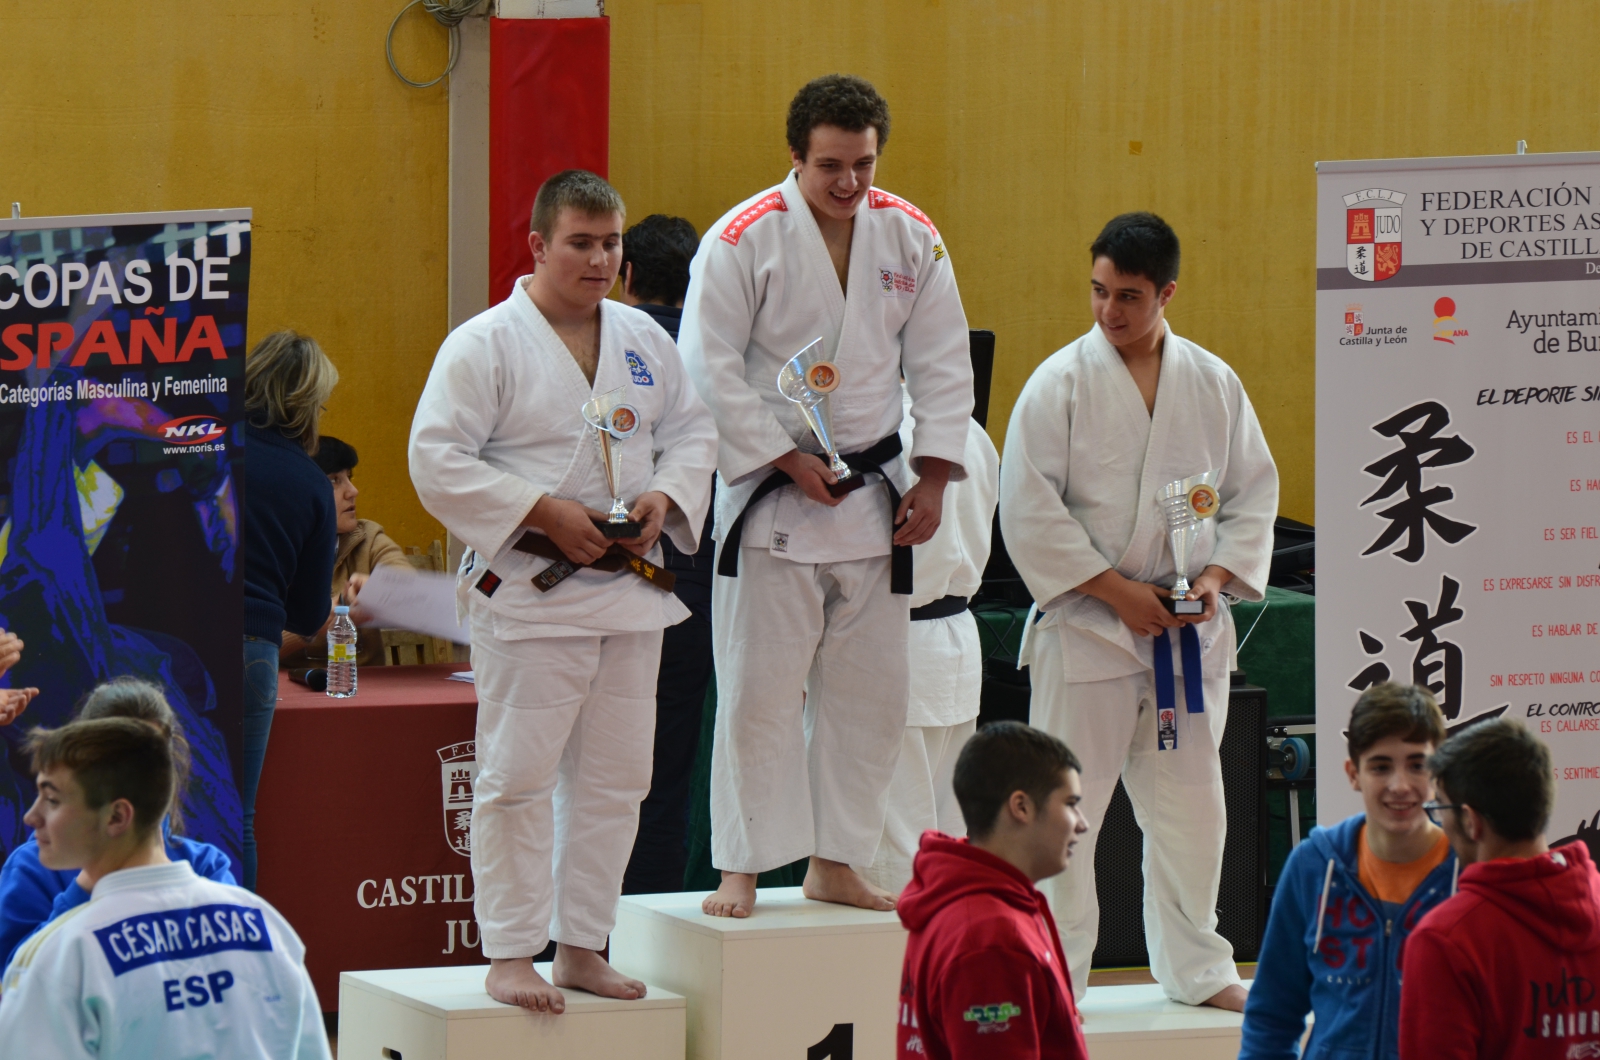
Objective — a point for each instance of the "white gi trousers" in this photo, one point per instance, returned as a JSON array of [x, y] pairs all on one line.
[[565, 737], [1177, 801], [920, 797], [811, 708]]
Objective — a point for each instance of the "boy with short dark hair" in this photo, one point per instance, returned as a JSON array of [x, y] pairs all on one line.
[[159, 962], [1507, 968], [985, 975], [1350, 895], [1103, 428]]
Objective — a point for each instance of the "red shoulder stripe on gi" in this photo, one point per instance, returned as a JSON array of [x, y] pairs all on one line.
[[881, 200], [766, 205]]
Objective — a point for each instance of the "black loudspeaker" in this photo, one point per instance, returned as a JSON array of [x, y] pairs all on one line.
[[1241, 907]]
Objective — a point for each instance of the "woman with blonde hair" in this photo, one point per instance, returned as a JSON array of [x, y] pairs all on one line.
[[289, 531]]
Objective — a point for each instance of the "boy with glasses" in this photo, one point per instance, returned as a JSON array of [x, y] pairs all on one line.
[[1508, 967], [1350, 895]]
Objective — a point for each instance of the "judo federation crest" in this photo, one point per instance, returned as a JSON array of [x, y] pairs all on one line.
[[458, 772], [1372, 233], [636, 367]]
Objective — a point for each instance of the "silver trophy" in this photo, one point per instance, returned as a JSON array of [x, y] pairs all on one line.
[[1186, 504], [807, 379], [614, 422]]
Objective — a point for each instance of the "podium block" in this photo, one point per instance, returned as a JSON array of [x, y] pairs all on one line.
[[798, 979], [1141, 1023], [444, 1014]]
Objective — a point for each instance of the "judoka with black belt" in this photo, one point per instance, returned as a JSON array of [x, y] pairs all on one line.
[[811, 595]]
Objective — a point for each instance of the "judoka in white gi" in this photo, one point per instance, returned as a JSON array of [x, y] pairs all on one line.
[[566, 678], [810, 610], [946, 663], [1102, 425], [159, 962]]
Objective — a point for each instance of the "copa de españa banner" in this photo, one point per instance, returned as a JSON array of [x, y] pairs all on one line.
[[121, 465], [1458, 452]]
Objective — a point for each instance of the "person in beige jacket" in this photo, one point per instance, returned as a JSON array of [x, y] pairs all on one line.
[[363, 547]]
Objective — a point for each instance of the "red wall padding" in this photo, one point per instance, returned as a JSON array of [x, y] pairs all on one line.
[[549, 110]]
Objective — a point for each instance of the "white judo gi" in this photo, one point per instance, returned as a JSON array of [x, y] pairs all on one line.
[[566, 679], [946, 665], [811, 609], [1083, 461], [161, 964]]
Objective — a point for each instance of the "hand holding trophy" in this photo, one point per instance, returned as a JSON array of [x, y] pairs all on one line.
[[807, 379], [1185, 504], [614, 422]]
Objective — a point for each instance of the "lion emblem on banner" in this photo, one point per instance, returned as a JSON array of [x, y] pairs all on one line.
[[458, 773], [1372, 233]]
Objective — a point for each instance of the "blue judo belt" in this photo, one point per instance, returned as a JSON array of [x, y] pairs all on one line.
[[1166, 695]]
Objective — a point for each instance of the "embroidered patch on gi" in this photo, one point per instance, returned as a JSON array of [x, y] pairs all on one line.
[[882, 200], [938, 252], [990, 1018], [636, 366], [896, 282], [780, 542], [488, 583], [753, 213]]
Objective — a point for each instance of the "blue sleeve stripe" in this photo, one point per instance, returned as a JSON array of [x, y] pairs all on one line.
[[181, 934]]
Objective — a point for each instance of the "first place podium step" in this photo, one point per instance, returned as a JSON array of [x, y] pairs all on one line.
[[797, 980], [444, 1014]]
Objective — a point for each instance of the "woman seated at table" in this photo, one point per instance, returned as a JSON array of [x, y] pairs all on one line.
[[363, 548], [32, 895]]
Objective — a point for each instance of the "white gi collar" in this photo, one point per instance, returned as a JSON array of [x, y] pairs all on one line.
[[144, 878]]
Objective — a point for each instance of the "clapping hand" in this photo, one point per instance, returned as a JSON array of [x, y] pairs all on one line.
[[13, 701]]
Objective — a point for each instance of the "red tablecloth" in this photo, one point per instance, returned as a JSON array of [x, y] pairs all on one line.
[[362, 822]]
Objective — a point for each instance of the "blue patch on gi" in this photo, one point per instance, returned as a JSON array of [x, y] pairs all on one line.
[[641, 374], [179, 934]]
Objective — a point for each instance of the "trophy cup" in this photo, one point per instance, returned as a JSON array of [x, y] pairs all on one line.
[[1186, 504], [614, 422], [807, 379]]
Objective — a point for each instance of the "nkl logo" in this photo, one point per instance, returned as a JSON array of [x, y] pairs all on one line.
[[191, 430]]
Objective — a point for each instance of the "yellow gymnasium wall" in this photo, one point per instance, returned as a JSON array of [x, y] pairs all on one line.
[[285, 106], [1019, 127]]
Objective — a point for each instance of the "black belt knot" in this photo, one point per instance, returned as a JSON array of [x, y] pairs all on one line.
[[867, 461]]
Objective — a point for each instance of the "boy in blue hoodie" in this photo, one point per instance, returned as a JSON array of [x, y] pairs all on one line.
[[1351, 894]]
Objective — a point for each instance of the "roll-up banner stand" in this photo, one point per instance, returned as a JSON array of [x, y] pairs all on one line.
[[122, 343], [1458, 452]]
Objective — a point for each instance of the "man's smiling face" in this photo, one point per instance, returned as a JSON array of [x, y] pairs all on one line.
[[837, 170]]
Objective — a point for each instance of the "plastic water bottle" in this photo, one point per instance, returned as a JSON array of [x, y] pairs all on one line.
[[341, 654]]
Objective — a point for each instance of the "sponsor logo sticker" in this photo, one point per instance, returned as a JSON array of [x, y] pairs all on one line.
[[191, 430], [1446, 328], [992, 1017]]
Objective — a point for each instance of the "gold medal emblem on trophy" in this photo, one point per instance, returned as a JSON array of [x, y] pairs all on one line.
[[807, 379], [1186, 504], [614, 422]]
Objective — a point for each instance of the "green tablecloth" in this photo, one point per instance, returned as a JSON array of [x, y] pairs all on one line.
[[1278, 638]]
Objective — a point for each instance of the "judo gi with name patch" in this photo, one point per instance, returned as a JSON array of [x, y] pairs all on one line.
[[1083, 461], [566, 678], [946, 664], [810, 610], [160, 963]]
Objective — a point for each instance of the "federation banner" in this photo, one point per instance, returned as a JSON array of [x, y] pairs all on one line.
[[1458, 452], [121, 464]]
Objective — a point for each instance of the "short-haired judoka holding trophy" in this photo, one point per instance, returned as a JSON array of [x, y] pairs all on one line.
[[542, 410], [807, 600], [1136, 488]]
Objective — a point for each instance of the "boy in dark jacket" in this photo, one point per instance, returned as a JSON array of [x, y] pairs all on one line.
[[1508, 968], [984, 972], [1351, 894]]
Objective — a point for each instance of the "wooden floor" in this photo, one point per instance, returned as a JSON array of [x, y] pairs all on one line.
[[1134, 976]]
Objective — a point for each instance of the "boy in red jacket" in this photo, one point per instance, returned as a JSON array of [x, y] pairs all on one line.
[[984, 972], [1508, 968]]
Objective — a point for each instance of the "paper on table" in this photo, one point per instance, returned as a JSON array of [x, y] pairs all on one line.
[[420, 601], [464, 675]]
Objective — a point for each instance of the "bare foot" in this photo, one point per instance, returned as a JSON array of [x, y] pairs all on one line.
[[1229, 997], [834, 881], [581, 969], [512, 981], [736, 897]]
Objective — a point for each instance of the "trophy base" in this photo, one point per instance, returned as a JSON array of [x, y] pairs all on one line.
[[616, 530], [847, 485], [1184, 607]]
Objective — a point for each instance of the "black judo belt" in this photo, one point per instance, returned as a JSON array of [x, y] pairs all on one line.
[[868, 461], [615, 558]]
